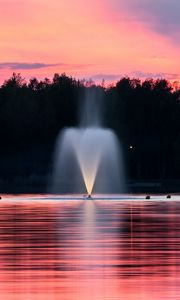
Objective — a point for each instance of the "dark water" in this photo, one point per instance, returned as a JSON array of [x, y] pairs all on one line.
[[92, 250]]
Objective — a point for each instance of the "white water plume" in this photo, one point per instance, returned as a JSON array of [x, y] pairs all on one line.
[[87, 160]]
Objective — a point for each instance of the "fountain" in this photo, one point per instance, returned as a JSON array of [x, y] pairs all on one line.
[[87, 159]]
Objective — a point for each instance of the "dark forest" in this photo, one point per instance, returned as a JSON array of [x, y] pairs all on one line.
[[145, 115]]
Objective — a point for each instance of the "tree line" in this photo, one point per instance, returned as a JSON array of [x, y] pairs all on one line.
[[144, 114]]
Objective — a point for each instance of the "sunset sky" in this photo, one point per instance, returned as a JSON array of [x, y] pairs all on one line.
[[98, 39]]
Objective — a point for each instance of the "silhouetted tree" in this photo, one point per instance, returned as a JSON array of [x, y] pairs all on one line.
[[144, 114]]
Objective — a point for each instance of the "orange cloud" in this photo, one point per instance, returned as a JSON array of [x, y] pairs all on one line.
[[80, 33]]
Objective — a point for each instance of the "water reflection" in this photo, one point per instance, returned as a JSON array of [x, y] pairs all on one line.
[[73, 250]]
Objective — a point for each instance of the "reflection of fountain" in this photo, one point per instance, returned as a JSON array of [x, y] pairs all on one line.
[[87, 158]]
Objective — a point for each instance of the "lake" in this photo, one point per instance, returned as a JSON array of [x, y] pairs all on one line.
[[72, 249]]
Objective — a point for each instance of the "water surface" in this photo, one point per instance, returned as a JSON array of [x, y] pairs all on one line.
[[94, 249]]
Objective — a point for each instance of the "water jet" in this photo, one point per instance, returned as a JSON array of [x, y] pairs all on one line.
[[88, 158]]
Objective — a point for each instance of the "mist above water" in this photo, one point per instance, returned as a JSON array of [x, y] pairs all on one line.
[[87, 158]]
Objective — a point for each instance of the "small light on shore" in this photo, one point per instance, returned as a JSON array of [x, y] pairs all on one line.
[[131, 147]]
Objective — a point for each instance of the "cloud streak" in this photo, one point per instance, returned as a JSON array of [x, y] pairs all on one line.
[[108, 77], [34, 66], [143, 75], [136, 74], [26, 66]]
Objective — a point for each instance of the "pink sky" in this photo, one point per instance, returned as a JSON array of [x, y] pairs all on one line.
[[89, 39]]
